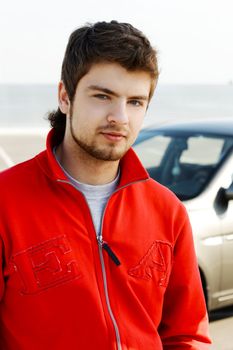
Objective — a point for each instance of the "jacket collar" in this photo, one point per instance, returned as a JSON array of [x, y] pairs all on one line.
[[131, 167]]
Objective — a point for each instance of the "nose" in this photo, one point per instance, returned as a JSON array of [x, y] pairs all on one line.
[[118, 114]]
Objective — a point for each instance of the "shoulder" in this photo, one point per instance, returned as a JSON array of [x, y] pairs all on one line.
[[163, 199], [16, 172], [155, 190], [18, 178]]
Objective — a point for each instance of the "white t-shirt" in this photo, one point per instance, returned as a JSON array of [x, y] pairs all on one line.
[[96, 196]]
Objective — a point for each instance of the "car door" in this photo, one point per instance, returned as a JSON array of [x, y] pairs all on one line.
[[227, 256]]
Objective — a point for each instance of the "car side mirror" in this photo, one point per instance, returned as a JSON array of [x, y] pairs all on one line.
[[224, 195], [229, 192]]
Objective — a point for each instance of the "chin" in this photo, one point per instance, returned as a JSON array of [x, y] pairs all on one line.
[[112, 155]]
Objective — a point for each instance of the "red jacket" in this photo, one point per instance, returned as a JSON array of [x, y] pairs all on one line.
[[61, 289]]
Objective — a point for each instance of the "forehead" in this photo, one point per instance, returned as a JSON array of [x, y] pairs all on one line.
[[116, 78]]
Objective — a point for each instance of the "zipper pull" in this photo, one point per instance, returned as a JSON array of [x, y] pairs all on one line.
[[111, 254]]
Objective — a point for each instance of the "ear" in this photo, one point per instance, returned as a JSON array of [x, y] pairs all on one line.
[[64, 102]]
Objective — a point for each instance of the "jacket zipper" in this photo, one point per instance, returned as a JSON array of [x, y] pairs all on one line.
[[109, 251], [117, 333], [104, 245]]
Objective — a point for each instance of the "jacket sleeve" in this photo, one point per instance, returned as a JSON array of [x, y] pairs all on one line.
[[184, 323], [1, 270]]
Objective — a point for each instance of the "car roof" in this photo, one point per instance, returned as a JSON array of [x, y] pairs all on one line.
[[222, 126]]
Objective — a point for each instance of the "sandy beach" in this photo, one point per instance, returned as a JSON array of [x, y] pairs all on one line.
[[18, 145]]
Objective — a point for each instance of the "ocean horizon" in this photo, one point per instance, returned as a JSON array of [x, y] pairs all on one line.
[[26, 106]]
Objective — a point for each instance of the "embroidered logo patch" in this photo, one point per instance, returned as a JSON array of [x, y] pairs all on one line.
[[46, 265], [157, 260]]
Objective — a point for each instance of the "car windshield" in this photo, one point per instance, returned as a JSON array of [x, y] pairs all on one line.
[[185, 162]]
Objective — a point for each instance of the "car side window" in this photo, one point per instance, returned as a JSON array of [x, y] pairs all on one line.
[[202, 150], [152, 150]]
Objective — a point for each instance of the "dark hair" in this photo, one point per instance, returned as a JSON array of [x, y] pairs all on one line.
[[103, 41]]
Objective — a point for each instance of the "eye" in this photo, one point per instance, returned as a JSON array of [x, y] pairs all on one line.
[[101, 96], [136, 103]]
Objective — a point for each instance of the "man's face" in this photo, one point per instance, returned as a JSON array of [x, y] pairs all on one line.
[[107, 111]]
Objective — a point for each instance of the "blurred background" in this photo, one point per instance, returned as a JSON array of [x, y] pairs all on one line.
[[195, 44], [193, 38]]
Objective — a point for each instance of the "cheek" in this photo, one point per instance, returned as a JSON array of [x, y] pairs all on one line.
[[136, 123], [134, 131], [90, 115], [82, 118], [135, 126]]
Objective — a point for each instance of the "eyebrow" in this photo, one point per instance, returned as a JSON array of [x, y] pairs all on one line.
[[112, 93]]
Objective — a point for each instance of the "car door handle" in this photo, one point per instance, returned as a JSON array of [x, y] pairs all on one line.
[[229, 237]]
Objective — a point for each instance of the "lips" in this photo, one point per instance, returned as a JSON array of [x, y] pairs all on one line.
[[114, 133], [113, 136]]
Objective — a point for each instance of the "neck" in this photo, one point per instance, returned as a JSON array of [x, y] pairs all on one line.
[[84, 168]]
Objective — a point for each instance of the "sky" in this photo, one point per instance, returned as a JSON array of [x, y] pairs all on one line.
[[194, 38]]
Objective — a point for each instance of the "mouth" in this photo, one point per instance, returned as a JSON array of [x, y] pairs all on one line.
[[114, 136]]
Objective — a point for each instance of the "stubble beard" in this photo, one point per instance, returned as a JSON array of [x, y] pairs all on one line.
[[108, 153]]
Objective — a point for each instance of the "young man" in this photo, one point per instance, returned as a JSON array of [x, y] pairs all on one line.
[[94, 253]]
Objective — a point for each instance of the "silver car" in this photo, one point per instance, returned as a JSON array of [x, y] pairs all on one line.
[[195, 161]]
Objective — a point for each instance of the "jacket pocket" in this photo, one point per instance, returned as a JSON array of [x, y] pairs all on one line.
[[156, 263], [46, 265]]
